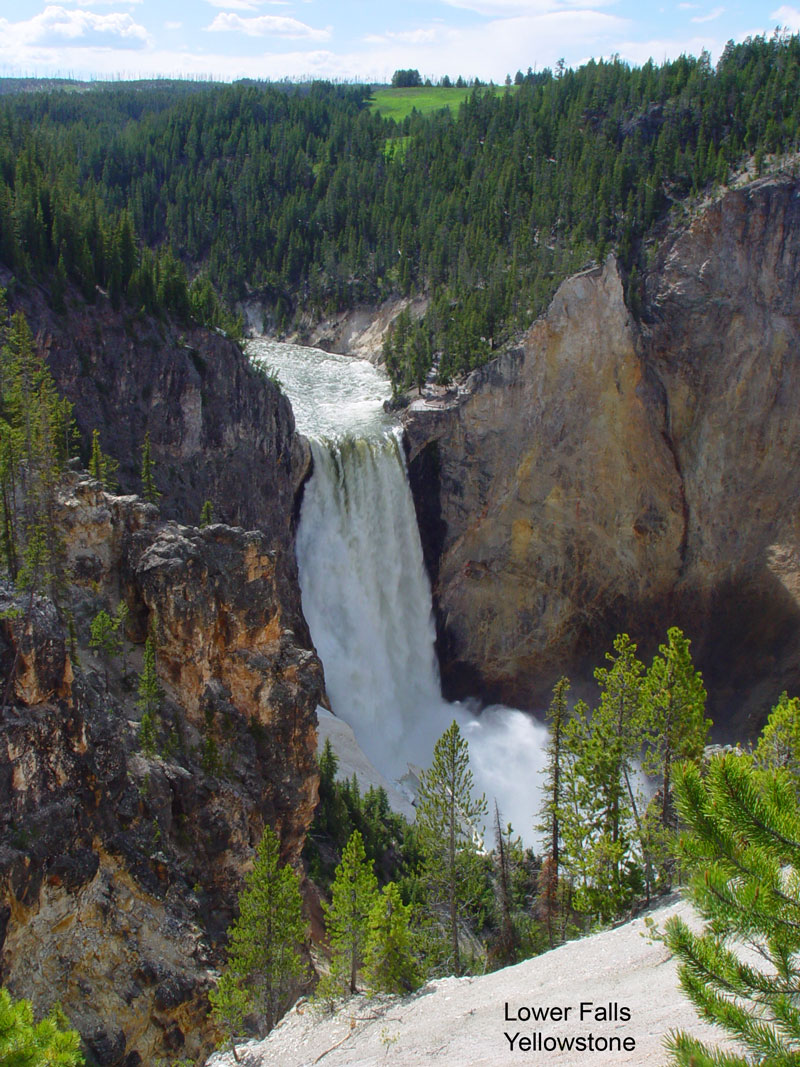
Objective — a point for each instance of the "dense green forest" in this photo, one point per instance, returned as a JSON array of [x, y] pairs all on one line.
[[311, 199]]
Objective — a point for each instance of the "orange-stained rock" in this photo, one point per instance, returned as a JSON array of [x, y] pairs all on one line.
[[120, 870]]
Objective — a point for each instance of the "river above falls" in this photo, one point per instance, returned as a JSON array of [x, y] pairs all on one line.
[[332, 396]]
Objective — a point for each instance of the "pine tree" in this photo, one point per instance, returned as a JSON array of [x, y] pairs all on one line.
[[779, 744], [95, 460], [353, 893], [229, 1005], [674, 728], [615, 743], [601, 868], [58, 286], [149, 698], [503, 856], [331, 816], [265, 941], [149, 489], [32, 455], [550, 825], [101, 466], [742, 847], [104, 636], [24, 1043], [391, 966], [449, 828]]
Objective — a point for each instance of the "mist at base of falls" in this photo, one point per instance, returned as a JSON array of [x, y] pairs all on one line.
[[366, 594]]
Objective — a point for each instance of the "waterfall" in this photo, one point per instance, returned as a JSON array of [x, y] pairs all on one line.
[[366, 594], [367, 599]]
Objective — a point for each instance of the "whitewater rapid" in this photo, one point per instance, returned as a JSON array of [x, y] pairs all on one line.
[[366, 594]]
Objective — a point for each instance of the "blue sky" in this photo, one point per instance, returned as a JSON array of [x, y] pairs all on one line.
[[361, 40]]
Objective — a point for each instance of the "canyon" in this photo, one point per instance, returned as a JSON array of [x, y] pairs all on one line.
[[628, 465]]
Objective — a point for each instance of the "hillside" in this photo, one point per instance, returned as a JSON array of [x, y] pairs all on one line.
[[463, 1021], [126, 828], [314, 203]]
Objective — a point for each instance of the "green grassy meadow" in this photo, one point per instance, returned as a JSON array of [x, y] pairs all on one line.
[[398, 103]]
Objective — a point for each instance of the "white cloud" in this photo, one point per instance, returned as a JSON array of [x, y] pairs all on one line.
[[421, 36], [246, 5], [487, 48], [234, 5], [173, 25], [687, 7], [104, 3], [510, 8], [715, 14], [786, 16], [268, 26], [487, 51], [666, 48], [56, 27]]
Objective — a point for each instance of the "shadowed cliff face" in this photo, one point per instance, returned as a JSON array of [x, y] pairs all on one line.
[[219, 430], [607, 476], [721, 331], [120, 868]]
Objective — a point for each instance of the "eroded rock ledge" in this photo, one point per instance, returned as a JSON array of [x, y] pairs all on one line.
[[119, 870], [613, 474]]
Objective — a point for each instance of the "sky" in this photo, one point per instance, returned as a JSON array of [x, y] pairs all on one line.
[[361, 40]]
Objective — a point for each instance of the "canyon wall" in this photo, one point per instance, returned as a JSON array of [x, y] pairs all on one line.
[[220, 430], [121, 861], [619, 473]]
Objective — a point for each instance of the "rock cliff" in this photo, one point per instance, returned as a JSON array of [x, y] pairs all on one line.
[[220, 430], [619, 474], [119, 864]]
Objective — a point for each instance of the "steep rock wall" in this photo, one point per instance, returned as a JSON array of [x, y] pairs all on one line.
[[120, 867], [721, 331], [219, 429], [610, 476]]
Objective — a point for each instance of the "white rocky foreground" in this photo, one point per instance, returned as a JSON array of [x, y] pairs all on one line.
[[625, 983]]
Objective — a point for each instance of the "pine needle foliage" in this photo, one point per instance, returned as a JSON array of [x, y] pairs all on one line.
[[779, 744], [150, 490], [36, 436], [230, 1005], [742, 847], [264, 957], [24, 1043], [550, 824], [354, 891], [450, 827], [149, 699], [101, 466], [675, 729], [391, 965], [613, 843]]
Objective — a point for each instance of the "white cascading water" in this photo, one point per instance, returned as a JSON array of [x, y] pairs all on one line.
[[366, 594], [367, 600]]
